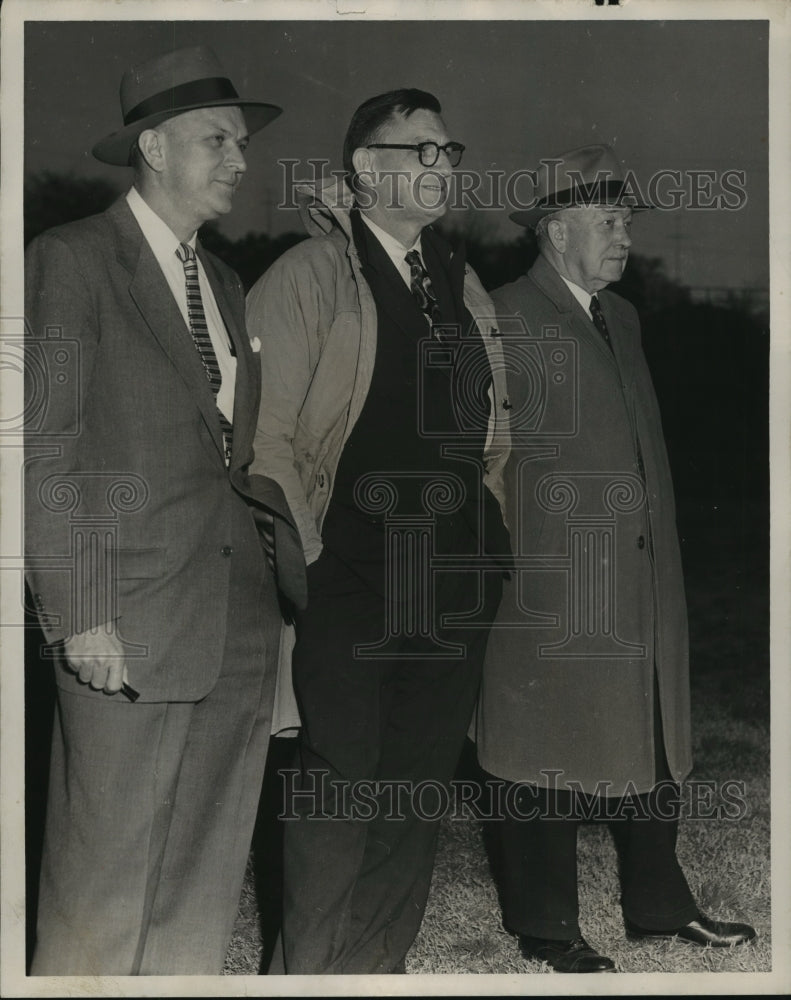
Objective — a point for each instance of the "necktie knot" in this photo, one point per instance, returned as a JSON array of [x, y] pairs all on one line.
[[185, 253]]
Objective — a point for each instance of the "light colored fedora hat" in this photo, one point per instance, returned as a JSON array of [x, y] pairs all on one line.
[[588, 175], [168, 85]]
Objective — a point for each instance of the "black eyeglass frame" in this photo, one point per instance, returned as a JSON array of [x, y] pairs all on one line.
[[450, 149]]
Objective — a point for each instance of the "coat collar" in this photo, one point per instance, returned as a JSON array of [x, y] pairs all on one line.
[[555, 288]]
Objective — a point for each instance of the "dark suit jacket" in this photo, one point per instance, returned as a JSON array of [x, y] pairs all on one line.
[[411, 414], [124, 455]]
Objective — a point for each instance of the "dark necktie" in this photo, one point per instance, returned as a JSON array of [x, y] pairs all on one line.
[[200, 335], [422, 290], [598, 320], [601, 326]]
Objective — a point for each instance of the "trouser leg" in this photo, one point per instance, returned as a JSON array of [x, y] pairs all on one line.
[[340, 700], [196, 899], [538, 842], [111, 778], [654, 891], [430, 712], [356, 888]]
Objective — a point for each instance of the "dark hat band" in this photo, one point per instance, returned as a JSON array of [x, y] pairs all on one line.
[[210, 90], [584, 194]]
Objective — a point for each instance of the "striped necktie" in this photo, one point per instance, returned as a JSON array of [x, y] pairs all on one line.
[[422, 290], [200, 335]]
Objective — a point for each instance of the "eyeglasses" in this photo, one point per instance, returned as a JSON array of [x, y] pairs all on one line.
[[427, 151]]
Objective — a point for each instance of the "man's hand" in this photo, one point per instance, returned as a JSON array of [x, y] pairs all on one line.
[[266, 529], [97, 657]]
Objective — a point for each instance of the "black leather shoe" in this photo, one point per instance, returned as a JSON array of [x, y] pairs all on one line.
[[565, 956], [703, 931]]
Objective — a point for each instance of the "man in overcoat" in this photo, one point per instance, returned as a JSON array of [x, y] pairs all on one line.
[[584, 706], [382, 388], [144, 556]]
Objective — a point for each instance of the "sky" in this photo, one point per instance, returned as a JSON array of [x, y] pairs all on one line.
[[669, 96]]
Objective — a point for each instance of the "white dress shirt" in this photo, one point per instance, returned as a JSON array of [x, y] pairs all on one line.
[[164, 243], [394, 249]]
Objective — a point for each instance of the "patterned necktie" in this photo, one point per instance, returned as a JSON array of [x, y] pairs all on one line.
[[598, 320], [200, 335], [422, 290]]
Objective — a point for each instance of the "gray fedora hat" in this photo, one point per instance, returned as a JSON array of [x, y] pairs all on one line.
[[588, 175], [181, 80]]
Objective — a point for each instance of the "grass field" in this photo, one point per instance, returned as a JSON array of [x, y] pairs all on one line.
[[726, 861]]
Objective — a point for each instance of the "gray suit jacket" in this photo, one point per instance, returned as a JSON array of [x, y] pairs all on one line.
[[129, 504]]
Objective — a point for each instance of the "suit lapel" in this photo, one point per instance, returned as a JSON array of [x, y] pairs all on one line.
[[151, 294], [553, 286]]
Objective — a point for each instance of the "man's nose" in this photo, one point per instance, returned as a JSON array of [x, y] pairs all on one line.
[[442, 166], [235, 159], [623, 236]]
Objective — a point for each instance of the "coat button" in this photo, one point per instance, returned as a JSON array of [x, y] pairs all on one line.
[[641, 542], [227, 550]]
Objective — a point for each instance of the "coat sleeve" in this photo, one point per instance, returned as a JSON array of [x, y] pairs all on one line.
[[285, 312], [61, 343]]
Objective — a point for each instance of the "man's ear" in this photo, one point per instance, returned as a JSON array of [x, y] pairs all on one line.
[[364, 184], [362, 161], [558, 237], [151, 145]]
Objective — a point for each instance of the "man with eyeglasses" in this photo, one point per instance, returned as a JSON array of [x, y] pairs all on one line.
[[383, 418]]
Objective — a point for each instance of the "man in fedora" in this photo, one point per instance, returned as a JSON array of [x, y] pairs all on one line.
[[156, 591], [584, 707]]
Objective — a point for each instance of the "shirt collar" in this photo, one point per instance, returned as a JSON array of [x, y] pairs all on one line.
[[583, 297], [394, 249], [161, 238]]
